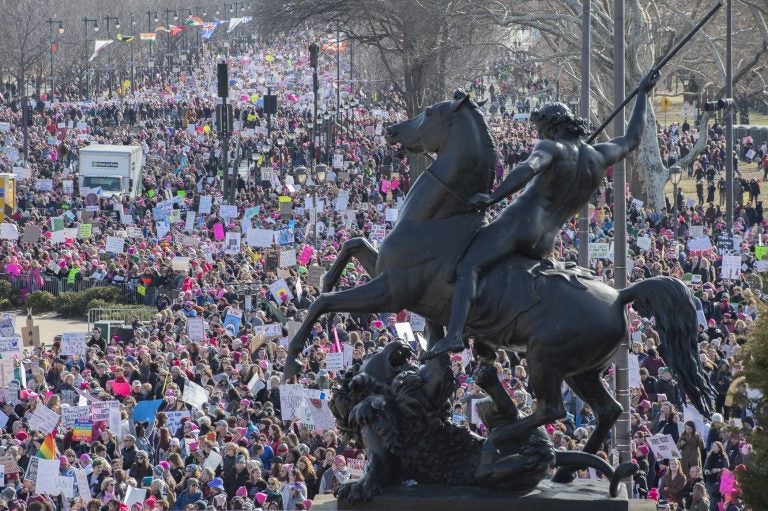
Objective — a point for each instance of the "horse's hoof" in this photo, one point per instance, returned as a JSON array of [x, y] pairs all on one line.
[[445, 345]]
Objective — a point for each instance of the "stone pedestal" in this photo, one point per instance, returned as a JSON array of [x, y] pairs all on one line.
[[582, 495]]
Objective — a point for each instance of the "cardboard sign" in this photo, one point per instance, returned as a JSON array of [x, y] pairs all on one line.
[[291, 401], [100, 410], [196, 328], [43, 419], [195, 395], [287, 258], [663, 447], [115, 245], [74, 343]]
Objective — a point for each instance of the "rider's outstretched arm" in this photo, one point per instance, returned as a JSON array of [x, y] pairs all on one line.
[[617, 149], [542, 157]]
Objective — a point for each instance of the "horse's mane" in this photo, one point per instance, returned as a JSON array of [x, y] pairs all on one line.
[[486, 140]]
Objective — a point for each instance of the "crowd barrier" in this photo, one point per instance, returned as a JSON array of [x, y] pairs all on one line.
[[131, 292]]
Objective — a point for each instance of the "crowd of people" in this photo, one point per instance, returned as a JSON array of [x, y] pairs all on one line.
[[194, 415]]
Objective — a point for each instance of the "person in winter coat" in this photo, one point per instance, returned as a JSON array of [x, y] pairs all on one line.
[[672, 482], [716, 461], [189, 496], [332, 479], [690, 444]]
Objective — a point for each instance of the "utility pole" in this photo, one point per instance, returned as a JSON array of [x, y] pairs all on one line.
[[622, 437], [224, 128], [729, 117], [586, 51]]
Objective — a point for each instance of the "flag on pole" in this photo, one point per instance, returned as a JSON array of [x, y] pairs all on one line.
[[194, 21], [234, 23], [209, 28], [333, 47], [177, 29], [124, 38], [47, 449], [148, 36], [100, 44]]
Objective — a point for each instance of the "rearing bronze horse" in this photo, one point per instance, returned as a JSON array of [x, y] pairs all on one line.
[[568, 324]]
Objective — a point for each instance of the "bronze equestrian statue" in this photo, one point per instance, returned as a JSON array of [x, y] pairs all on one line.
[[568, 324]]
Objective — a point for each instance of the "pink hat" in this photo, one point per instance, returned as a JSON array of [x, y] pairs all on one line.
[[241, 492], [261, 498], [307, 504], [165, 465], [63, 460], [339, 460]]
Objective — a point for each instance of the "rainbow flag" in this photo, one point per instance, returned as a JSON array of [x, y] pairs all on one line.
[[47, 448]]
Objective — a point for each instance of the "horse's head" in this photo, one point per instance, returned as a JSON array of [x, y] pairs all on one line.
[[430, 130]]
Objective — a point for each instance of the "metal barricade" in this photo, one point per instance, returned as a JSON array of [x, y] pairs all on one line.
[[125, 315]]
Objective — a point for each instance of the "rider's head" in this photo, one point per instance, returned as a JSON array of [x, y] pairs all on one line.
[[557, 116]]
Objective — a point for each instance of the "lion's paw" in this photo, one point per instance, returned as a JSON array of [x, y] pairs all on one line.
[[359, 492]]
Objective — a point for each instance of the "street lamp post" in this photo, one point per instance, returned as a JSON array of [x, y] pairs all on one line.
[[133, 45], [675, 173], [300, 173], [60, 30], [168, 27], [111, 65], [314, 52], [86, 65], [151, 15]]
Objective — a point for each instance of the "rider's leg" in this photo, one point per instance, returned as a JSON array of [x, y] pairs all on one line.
[[494, 243]]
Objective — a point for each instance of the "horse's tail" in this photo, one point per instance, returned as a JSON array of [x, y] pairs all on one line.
[[670, 301]]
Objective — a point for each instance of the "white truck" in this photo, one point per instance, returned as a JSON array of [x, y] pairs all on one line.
[[109, 170]]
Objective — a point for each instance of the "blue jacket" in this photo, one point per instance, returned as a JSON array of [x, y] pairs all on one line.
[[185, 499]]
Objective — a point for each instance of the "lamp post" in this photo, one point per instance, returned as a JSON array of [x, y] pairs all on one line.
[[151, 15], [300, 174], [86, 65], [60, 30], [133, 45], [314, 52], [675, 173], [168, 27], [111, 65]]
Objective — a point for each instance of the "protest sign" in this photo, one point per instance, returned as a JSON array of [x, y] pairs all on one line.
[[232, 243], [260, 238], [83, 489], [213, 461], [287, 258], [82, 430], [195, 395], [7, 324], [74, 343], [115, 245], [334, 361], [270, 330], [663, 447], [232, 320], [356, 468], [196, 328], [598, 250], [291, 401], [696, 231], [204, 207], [731, 269], [70, 414], [133, 496], [9, 232], [281, 291], [405, 332], [179, 263], [634, 372], [31, 234], [46, 473], [227, 211], [100, 409], [43, 419], [174, 420]]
